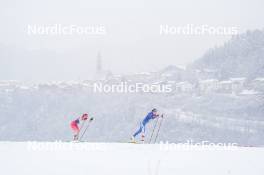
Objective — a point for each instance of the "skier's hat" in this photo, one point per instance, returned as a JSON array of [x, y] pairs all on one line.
[[85, 116], [154, 110]]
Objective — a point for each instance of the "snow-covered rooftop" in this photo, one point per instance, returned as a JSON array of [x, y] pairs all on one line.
[[259, 79]]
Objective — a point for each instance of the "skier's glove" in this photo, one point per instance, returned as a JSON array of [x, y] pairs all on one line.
[[91, 119]]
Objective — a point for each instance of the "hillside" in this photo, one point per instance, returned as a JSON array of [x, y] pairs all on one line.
[[242, 56]]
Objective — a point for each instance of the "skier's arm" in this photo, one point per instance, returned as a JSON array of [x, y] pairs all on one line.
[[155, 116]]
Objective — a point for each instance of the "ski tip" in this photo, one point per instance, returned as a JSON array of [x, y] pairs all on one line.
[[139, 142], [75, 141], [133, 142]]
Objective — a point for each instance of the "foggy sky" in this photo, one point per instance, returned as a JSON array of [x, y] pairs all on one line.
[[132, 41]]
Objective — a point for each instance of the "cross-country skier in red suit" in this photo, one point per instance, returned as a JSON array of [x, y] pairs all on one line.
[[75, 125]]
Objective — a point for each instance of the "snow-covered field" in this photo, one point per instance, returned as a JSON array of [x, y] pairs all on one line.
[[55, 158]]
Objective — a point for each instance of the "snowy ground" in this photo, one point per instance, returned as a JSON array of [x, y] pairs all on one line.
[[42, 158]]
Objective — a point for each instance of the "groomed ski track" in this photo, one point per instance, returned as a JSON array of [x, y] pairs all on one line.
[[83, 158]]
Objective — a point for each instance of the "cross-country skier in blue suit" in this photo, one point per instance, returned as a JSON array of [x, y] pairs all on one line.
[[151, 115]]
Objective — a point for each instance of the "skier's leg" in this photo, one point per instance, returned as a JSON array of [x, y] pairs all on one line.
[[75, 137], [75, 130], [139, 130], [144, 128], [143, 132]]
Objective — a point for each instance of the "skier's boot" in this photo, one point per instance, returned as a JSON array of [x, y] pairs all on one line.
[[142, 138], [132, 139], [76, 137]]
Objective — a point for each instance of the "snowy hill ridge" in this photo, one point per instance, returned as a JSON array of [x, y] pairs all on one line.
[[242, 56]]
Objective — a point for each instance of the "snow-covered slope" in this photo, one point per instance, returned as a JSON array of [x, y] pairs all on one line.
[[42, 158]]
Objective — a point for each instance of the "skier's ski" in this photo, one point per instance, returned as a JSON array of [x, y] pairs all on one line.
[[75, 141], [132, 142]]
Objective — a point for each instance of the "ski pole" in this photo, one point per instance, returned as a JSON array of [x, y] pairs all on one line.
[[86, 129], [82, 125], [81, 128], [154, 128], [159, 128]]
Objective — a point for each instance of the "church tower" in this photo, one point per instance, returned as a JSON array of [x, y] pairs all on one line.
[[100, 73], [98, 63]]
